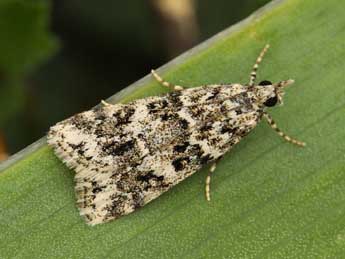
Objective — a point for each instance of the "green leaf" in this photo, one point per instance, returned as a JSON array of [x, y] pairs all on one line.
[[270, 199]]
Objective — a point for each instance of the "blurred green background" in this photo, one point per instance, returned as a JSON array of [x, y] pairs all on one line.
[[61, 57]]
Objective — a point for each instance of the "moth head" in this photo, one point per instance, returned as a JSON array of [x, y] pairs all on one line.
[[270, 94]]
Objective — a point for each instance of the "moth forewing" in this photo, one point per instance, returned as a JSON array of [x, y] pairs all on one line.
[[124, 160]]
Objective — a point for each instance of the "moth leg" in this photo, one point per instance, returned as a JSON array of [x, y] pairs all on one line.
[[165, 83], [208, 181], [104, 103], [256, 65], [274, 126]]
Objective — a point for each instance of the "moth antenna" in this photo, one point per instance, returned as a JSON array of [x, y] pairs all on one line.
[[256, 65]]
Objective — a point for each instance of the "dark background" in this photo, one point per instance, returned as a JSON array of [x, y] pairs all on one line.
[[99, 47]]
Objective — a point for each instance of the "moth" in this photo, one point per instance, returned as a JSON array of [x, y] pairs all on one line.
[[126, 155]]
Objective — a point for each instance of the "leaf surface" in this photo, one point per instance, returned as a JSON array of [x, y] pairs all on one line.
[[270, 199]]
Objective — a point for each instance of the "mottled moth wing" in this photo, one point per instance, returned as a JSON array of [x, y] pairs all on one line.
[[126, 155]]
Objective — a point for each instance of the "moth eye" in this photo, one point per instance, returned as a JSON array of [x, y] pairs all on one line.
[[271, 101], [265, 82]]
